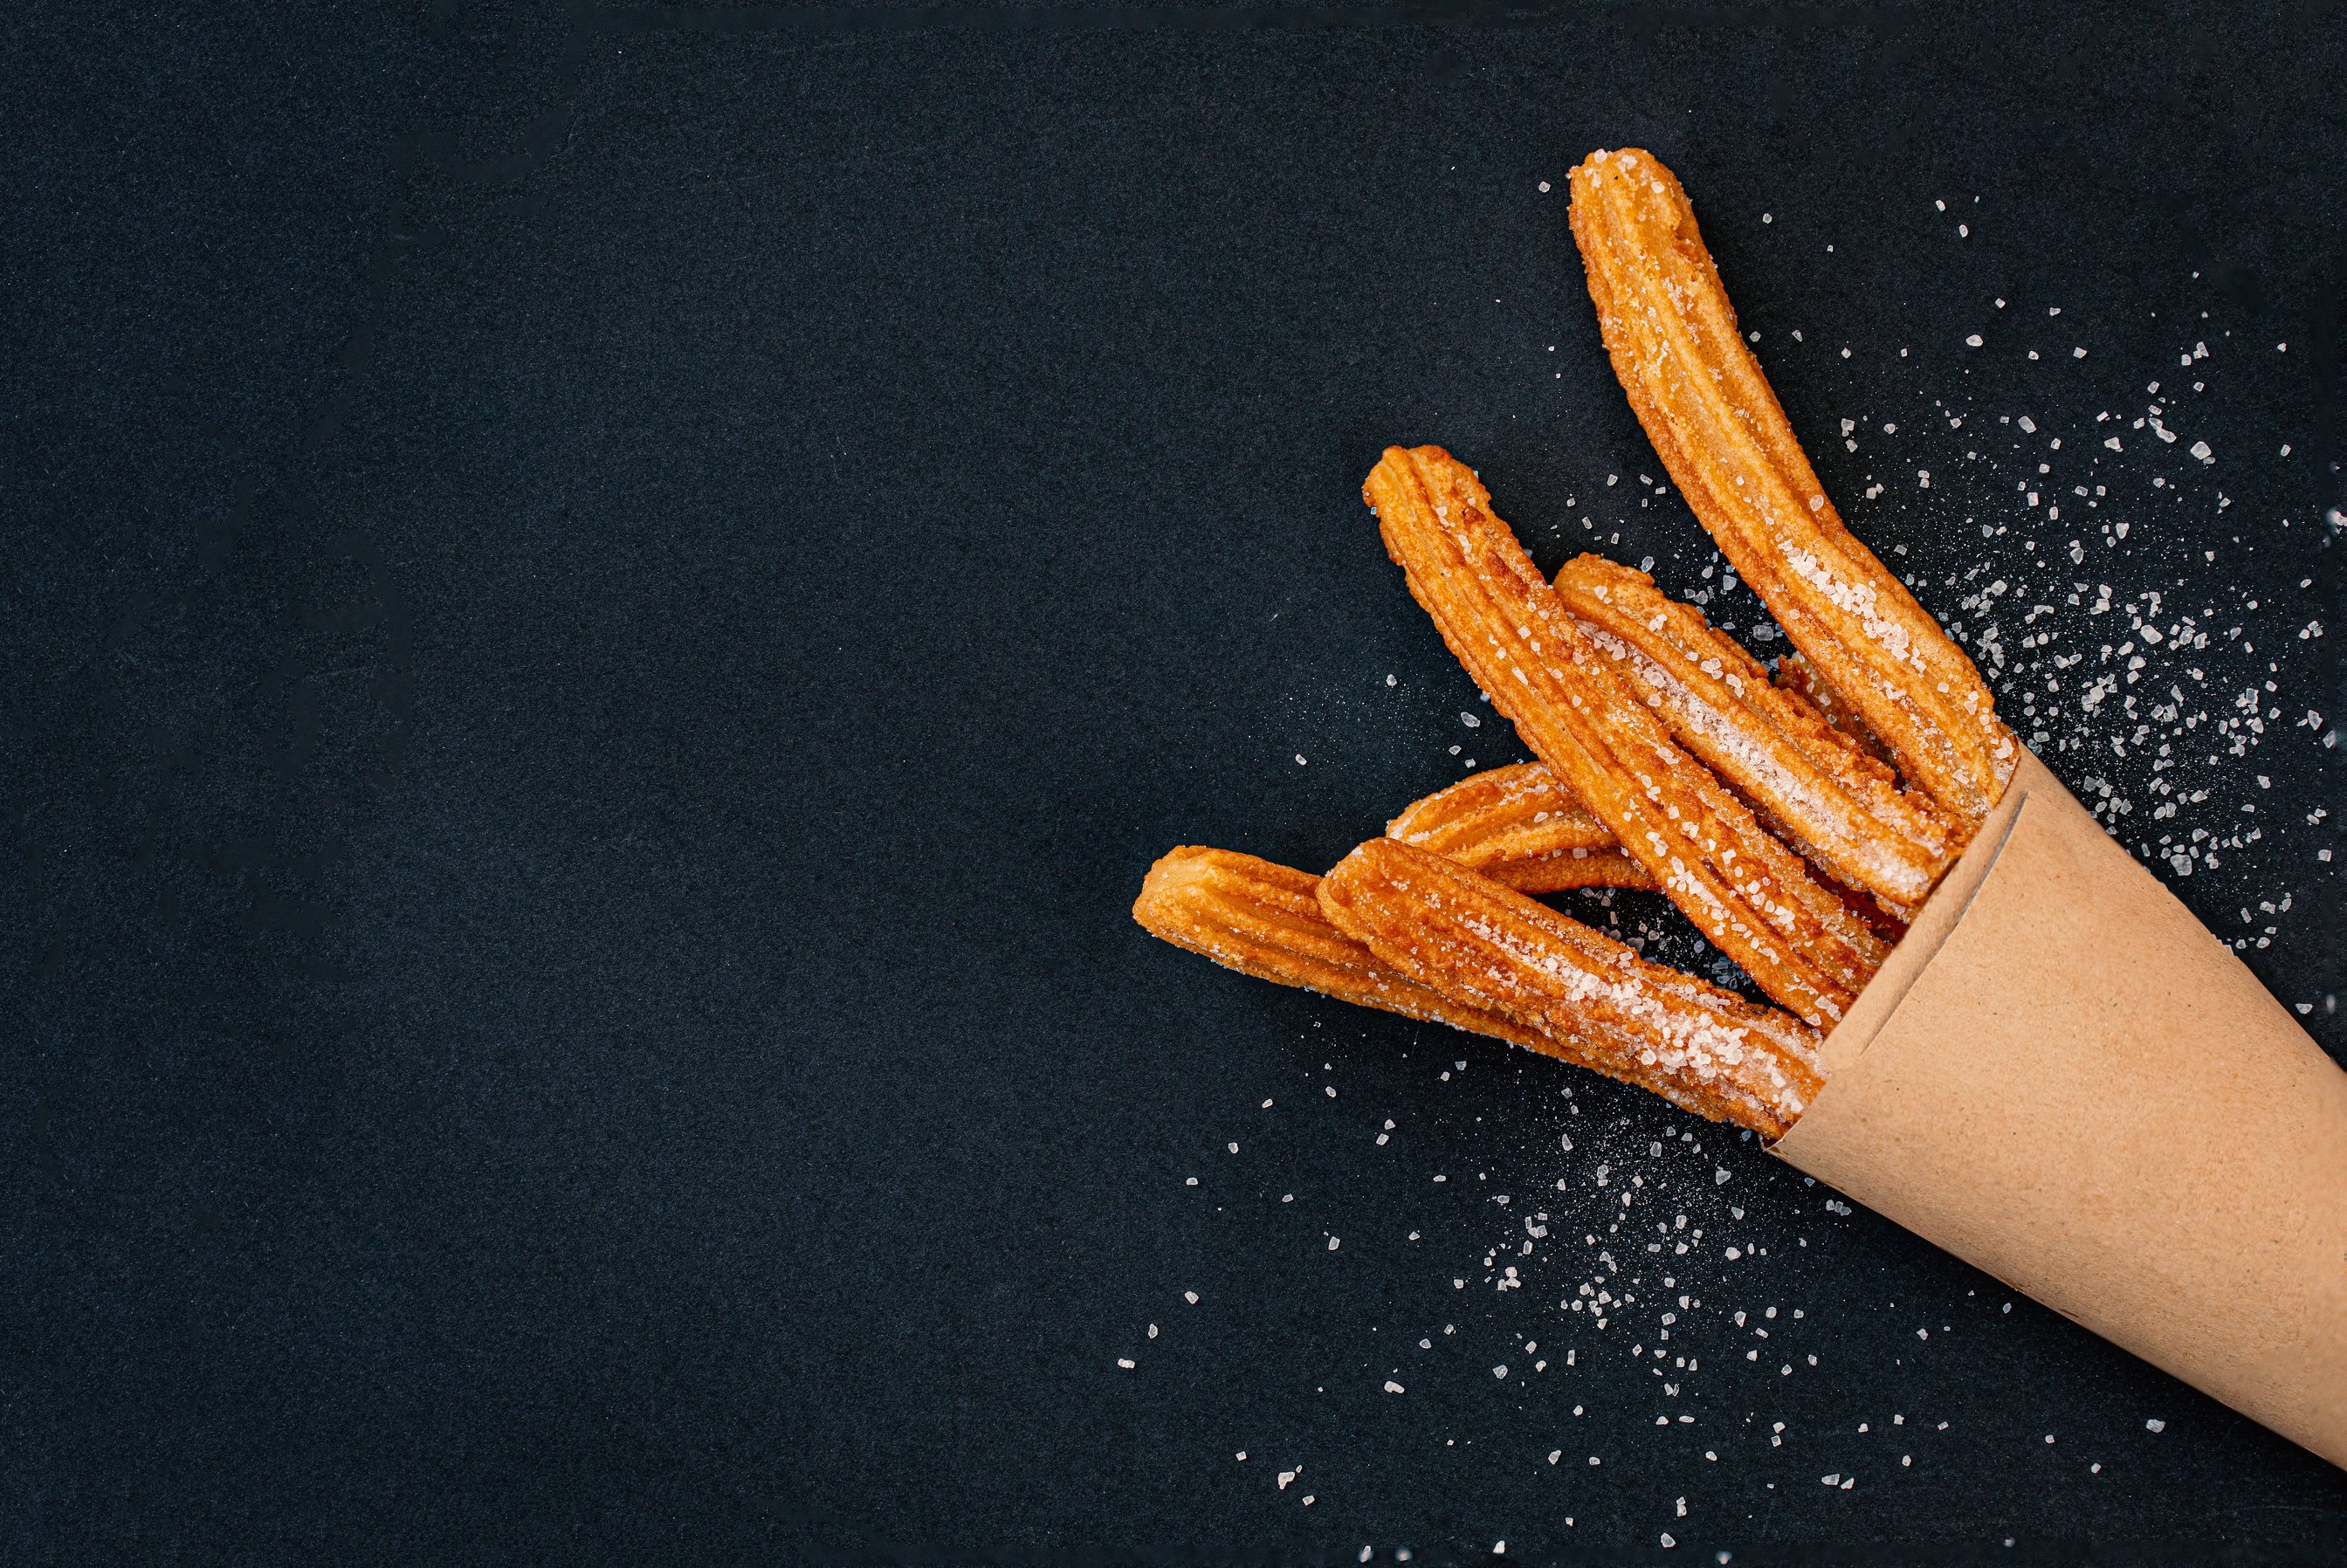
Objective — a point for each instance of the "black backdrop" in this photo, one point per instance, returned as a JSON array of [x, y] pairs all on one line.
[[606, 608]]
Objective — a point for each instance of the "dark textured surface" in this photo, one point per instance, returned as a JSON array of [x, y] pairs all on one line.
[[602, 621]]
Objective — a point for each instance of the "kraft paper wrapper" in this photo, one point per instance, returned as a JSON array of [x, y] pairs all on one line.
[[2062, 1078]]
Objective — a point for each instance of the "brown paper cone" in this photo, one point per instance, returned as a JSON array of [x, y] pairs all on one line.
[[2064, 1078]]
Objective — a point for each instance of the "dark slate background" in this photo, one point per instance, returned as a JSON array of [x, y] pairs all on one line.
[[603, 611]]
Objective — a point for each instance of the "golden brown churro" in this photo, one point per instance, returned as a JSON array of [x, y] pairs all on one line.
[[1265, 920], [1753, 897], [1711, 414], [1824, 796], [1518, 825], [1703, 1048]]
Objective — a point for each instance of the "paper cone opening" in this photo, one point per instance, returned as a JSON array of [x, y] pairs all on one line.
[[2062, 1078]]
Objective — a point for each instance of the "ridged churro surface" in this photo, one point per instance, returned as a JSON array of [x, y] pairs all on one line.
[[1796, 674], [1718, 425], [1605, 1008], [1752, 897], [1517, 824], [1838, 807]]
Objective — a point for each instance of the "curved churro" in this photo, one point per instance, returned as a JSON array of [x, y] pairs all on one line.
[[1703, 1048], [1753, 897], [1264, 919], [1697, 390], [1837, 805], [1520, 827]]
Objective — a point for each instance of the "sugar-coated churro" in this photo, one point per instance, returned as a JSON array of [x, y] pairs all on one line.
[[1454, 930], [1752, 897], [1264, 919], [1838, 807], [1517, 824], [1711, 414]]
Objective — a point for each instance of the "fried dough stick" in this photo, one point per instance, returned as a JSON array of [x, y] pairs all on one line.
[[1264, 919], [1829, 800], [1518, 825], [1453, 931], [1752, 897], [1718, 425]]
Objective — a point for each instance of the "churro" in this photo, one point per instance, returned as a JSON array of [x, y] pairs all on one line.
[[1599, 1003], [1828, 799], [1752, 897], [1519, 825], [1264, 919], [1711, 414]]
